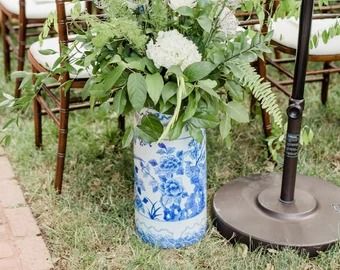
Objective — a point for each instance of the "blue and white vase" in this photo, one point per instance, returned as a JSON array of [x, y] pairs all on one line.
[[170, 190]]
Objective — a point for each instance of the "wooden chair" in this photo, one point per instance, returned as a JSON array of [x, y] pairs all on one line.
[[21, 19], [59, 95], [285, 38]]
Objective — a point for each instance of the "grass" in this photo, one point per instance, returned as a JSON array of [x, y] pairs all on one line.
[[91, 226]]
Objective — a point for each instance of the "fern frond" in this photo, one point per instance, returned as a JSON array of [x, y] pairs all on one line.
[[250, 79]]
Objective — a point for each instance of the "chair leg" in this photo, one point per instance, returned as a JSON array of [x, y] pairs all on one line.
[[21, 55], [62, 140], [277, 54], [325, 84], [37, 123], [252, 107], [121, 123], [5, 45], [266, 121], [37, 116]]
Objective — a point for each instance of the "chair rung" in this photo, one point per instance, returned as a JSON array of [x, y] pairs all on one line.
[[51, 95], [278, 85], [47, 110], [284, 60], [73, 107], [308, 80], [323, 71], [280, 68]]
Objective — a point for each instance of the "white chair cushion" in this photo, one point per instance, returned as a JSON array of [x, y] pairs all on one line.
[[35, 9], [47, 61], [286, 31]]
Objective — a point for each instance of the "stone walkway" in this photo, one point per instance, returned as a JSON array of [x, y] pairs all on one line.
[[21, 244]]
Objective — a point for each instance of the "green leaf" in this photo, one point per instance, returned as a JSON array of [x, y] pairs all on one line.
[[119, 102], [150, 128], [128, 137], [20, 74], [176, 131], [225, 126], [150, 65], [237, 112], [192, 106], [174, 70], [6, 140], [47, 52], [155, 86], [169, 90], [199, 70], [185, 11], [207, 86], [137, 64], [196, 133], [28, 81], [8, 123], [49, 80], [137, 91], [205, 22], [111, 78], [204, 120], [235, 90]]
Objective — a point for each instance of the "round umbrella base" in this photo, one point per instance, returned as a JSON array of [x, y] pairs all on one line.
[[249, 210]]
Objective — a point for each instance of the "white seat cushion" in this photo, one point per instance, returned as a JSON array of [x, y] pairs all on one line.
[[286, 31], [47, 61], [35, 9]]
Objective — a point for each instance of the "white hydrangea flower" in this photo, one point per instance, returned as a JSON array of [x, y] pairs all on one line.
[[228, 22], [176, 4], [172, 48]]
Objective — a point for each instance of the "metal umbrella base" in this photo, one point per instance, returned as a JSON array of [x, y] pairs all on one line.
[[249, 210]]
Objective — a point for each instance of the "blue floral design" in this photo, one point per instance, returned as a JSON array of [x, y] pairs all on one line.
[[164, 173], [139, 204], [171, 164], [170, 186], [172, 192], [174, 213]]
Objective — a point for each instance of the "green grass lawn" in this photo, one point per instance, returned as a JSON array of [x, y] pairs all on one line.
[[91, 225]]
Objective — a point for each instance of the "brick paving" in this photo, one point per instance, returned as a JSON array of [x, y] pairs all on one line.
[[21, 244]]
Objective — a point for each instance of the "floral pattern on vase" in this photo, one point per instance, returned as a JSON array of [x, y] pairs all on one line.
[[170, 191]]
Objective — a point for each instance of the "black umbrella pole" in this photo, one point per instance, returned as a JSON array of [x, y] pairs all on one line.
[[296, 104]]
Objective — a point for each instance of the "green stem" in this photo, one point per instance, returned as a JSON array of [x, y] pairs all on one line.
[[214, 27], [180, 93]]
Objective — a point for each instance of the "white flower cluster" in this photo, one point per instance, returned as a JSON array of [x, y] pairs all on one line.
[[176, 4], [172, 48], [228, 22]]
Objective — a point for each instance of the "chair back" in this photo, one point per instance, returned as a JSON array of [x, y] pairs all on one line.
[[65, 23]]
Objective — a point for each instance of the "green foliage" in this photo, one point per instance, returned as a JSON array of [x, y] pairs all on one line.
[[155, 86], [198, 71], [137, 91], [325, 35], [206, 94], [250, 79], [158, 15], [116, 29]]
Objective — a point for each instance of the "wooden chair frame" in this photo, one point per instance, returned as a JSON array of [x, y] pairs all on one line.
[[63, 103], [278, 62], [17, 25]]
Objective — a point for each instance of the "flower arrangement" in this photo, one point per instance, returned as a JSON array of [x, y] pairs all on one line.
[[184, 58]]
